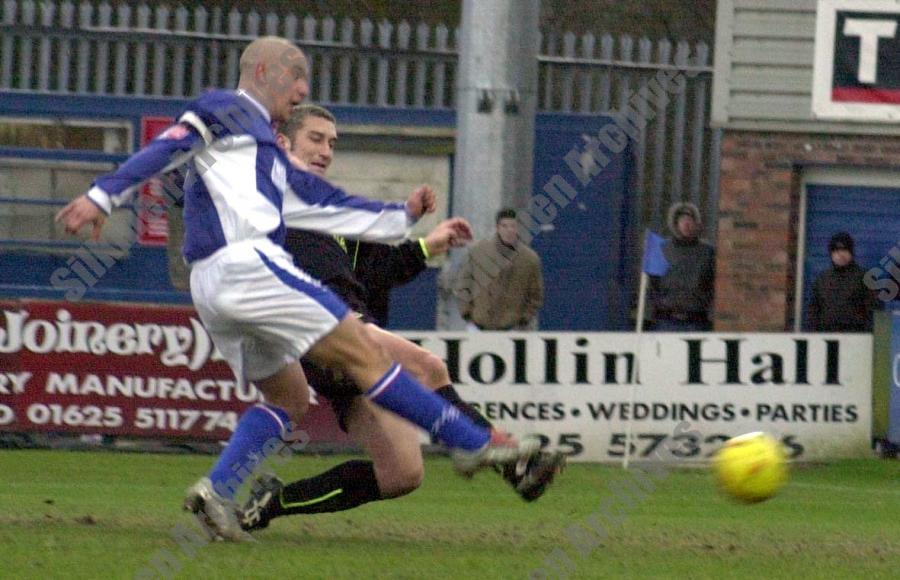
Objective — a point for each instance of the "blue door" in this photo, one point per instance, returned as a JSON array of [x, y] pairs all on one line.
[[589, 255], [870, 214]]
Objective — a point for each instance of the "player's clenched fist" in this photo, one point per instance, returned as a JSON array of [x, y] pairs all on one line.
[[451, 233], [80, 212], [421, 201]]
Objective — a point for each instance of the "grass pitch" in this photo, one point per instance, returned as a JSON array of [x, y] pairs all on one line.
[[107, 515]]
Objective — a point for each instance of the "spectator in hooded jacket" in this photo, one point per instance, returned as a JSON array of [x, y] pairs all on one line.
[[682, 298], [840, 300]]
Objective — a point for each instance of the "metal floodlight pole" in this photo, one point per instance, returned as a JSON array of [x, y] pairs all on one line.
[[496, 101], [495, 107]]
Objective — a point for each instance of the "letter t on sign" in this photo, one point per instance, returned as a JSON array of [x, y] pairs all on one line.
[[869, 31]]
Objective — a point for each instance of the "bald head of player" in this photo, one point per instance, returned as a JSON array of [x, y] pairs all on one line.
[[274, 72]]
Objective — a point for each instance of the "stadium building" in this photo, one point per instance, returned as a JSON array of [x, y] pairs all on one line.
[[810, 112], [790, 137]]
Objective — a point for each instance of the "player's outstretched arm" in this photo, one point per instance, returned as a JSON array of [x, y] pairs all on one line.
[[80, 212], [312, 203], [450, 233], [389, 266], [422, 200], [174, 147]]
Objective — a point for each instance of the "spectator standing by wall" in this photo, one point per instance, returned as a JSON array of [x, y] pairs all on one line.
[[840, 300], [500, 285], [682, 299]]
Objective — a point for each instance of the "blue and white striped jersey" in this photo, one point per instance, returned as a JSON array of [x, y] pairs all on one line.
[[240, 186]]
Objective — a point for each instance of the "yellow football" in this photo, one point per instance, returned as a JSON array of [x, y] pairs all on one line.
[[751, 468]]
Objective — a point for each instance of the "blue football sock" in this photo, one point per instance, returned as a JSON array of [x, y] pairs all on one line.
[[257, 427], [397, 391]]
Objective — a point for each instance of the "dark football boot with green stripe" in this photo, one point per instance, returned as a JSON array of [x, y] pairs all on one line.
[[531, 477], [257, 512]]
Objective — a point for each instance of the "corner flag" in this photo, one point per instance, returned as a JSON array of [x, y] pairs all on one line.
[[654, 262]]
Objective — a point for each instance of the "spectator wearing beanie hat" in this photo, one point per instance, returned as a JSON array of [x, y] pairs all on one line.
[[840, 300]]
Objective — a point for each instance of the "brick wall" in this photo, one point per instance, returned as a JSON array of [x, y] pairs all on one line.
[[759, 205]]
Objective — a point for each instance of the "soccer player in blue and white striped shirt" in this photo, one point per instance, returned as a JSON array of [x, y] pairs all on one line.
[[262, 312]]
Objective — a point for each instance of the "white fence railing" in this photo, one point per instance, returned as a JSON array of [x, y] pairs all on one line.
[[55, 46]]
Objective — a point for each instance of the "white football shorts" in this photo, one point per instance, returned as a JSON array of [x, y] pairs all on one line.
[[260, 309]]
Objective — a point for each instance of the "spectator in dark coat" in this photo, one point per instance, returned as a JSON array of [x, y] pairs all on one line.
[[840, 300], [682, 299]]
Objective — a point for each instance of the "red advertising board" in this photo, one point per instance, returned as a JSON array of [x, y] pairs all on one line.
[[138, 370], [153, 221]]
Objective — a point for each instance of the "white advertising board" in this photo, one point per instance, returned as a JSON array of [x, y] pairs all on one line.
[[812, 391]]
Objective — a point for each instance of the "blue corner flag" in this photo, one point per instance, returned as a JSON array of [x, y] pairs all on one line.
[[655, 262]]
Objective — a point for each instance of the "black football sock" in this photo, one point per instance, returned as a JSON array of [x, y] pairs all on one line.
[[343, 487], [451, 396]]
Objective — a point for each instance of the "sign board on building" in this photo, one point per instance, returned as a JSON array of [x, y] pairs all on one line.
[[857, 60]]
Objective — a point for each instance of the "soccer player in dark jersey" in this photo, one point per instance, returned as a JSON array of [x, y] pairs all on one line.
[[362, 274]]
